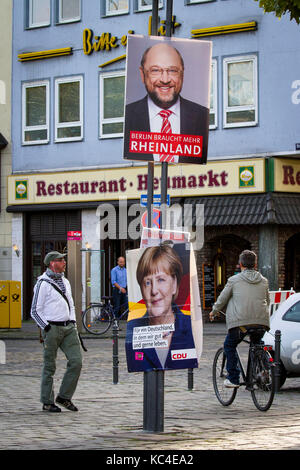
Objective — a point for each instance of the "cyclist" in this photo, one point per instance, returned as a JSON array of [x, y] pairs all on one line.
[[246, 296]]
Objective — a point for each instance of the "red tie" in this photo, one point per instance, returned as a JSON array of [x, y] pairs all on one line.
[[166, 129]]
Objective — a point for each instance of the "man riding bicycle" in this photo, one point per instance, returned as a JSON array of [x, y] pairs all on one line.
[[246, 296]]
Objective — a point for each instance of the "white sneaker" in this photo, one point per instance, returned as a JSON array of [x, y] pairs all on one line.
[[229, 384]]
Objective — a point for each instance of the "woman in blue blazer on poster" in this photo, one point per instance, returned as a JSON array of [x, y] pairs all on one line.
[[159, 273]]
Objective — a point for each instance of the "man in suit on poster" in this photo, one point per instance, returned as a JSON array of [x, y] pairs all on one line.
[[163, 109]]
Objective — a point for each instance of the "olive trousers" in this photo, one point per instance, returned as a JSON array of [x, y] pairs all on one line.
[[64, 338]]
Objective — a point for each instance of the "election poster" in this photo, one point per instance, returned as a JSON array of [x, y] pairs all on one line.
[[167, 99], [164, 327]]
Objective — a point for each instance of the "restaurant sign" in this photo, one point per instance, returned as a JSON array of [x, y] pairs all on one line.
[[216, 178], [287, 175]]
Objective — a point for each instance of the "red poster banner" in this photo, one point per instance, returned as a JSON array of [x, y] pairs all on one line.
[[161, 144]]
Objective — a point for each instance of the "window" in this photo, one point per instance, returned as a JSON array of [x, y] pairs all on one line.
[[68, 109], [35, 113], [197, 1], [69, 10], [38, 13], [293, 314], [116, 7], [240, 91], [112, 91], [213, 116], [143, 5]]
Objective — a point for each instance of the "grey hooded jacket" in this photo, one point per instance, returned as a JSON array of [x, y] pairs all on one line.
[[246, 296]]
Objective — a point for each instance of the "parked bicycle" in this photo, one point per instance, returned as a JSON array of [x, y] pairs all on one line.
[[98, 317], [259, 376]]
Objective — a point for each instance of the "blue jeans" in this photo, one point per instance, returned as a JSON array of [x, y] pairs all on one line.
[[233, 338], [119, 300]]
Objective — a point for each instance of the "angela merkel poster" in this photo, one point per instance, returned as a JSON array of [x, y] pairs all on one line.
[[161, 333]]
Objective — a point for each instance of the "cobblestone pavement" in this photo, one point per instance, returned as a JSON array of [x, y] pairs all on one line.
[[111, 415]]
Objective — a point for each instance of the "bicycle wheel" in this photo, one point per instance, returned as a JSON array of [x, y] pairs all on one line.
[[97, 319], [224, 394], [263, 386]]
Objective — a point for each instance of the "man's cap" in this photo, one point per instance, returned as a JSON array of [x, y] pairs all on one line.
[[52, 255]]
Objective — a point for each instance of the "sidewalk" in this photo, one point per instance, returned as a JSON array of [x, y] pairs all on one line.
[[29, 330], [110, 415]]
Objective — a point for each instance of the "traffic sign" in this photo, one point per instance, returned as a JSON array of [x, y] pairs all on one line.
[[156, 200], [156, 219]]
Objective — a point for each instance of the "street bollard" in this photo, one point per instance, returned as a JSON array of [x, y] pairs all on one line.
[[115, 330], [277, 360], [190, 379]]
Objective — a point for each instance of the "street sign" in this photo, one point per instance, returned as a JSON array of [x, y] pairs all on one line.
[[74, 235], [156, 219], [156, 200]]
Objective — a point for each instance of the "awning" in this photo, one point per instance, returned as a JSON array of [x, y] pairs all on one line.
[[249, 209]]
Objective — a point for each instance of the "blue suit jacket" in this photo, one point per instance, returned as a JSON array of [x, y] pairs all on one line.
[[182, 339]]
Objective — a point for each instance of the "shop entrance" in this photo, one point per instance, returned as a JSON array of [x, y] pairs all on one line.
[[225, 253], [292, 263], [44, 232], [112, 250]]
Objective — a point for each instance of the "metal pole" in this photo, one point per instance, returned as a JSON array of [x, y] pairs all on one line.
[[169, 15], [190, 379], [74, 276], [154, 29], [115, 330], [277, 360], [87, 277], [164, 165], [153, 412], [150, 193]]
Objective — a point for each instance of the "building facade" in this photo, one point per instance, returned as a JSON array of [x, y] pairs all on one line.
[[5, 137], [68, 171]]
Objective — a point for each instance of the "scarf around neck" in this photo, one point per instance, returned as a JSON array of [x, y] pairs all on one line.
[[57, 278], [53, 275]]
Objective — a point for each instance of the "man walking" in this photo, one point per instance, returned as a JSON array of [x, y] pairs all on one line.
[[53, 310], [246, 296], [119, 285]]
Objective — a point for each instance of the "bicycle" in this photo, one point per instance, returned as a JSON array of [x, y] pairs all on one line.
[[259, 376], [99, 316]]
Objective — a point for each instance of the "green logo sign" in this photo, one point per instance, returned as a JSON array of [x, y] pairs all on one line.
[[21, 189], [246, 175]]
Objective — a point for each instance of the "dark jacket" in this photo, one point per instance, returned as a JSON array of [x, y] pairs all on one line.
[[182, 339], [194, 120]]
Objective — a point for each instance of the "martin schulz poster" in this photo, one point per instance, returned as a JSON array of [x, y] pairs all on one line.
[[167, 99]]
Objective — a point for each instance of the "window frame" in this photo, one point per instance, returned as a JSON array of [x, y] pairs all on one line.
[[140, 8], [59, 125], [60, 20], [30, 24], [226, 108], [194, 2], [286, 314], [102, 77], [25, 86], [108, 12], [214, 109]]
